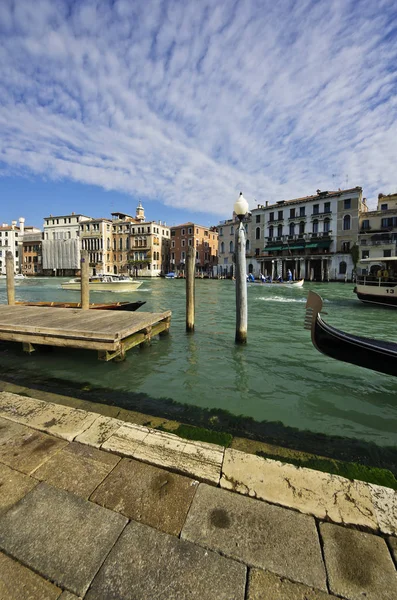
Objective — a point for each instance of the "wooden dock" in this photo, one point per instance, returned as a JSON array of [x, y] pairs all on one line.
[[110, 333]]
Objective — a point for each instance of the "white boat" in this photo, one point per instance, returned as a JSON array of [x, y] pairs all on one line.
[[379, 286], [103, 283], [284, 284], [16, 276]]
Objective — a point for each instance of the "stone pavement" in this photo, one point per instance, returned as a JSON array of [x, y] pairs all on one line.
[[96, 508]]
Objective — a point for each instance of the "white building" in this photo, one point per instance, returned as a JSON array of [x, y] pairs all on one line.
[[11, 238], [313, 236], [61, 244], [378, 232]]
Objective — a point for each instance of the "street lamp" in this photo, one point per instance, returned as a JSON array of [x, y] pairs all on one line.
[[241, 207]]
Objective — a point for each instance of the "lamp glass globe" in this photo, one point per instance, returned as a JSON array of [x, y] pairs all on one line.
[[241, 206]]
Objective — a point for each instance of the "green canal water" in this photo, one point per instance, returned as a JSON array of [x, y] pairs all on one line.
[[278, 377]]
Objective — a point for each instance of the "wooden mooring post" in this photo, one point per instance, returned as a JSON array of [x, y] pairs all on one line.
[[85, 280], [190, 283], [241, 209], [10, 277]]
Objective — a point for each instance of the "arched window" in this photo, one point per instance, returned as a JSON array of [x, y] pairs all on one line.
[[280, 230], [250, 268], [342, 268], [292, 228], [222, 247], [247, 245], [258, 233], [326, 225], [315, 226], [231, 247], [231, 230], [346, 222], [271, 231], [302, 227]]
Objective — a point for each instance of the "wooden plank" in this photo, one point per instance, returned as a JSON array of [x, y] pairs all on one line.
[[59, 341]]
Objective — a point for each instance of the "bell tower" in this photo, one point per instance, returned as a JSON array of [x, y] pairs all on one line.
[[140, 213]]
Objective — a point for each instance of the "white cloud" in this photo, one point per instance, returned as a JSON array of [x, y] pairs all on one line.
[[188, 103]]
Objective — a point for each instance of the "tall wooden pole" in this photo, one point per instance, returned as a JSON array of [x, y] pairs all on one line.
[[10, 277], [84, 278], [190, 281], [241, 287]]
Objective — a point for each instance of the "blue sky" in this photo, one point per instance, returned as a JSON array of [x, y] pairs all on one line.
[[182, 104]]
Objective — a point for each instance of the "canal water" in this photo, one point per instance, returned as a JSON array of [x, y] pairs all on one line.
[[278, 378]]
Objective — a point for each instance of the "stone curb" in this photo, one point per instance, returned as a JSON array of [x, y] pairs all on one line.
[[325, 496]]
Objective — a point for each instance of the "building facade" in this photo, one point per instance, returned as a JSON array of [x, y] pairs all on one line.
[[378, 232], [61, 244], [205, 242], [226, 243], [149, 249], [11, 239], [32, 254], [96, 236], [312, 236]]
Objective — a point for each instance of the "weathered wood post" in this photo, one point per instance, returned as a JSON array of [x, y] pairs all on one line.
[[241, 209], [84, 280], [10, 277], [190, 282]]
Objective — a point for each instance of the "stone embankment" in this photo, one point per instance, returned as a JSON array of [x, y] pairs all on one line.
[[93, 507]]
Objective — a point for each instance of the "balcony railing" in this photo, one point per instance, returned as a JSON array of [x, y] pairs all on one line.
[[300, 236], [377, 242]]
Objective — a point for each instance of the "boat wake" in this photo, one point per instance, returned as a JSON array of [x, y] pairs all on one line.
[[281, 299]]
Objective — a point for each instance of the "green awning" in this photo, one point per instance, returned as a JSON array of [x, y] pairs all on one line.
[[295, 247], [272, 249], [322, 244]]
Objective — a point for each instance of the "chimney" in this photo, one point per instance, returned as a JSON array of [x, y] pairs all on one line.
[[21, 225], [72, 213], [13, 224], [267, 203]]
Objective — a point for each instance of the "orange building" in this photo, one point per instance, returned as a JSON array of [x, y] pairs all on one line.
[[203, 239]]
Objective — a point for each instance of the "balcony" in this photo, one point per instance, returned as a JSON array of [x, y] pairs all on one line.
[[385, 242], [297, 217]]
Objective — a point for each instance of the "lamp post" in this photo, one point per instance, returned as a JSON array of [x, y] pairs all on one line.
[[241, 209]]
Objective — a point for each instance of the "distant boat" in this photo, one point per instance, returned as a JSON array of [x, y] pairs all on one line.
[[284, 284], [16, 276], [362, 351], [170, 276], [129, 306], [103, 283]]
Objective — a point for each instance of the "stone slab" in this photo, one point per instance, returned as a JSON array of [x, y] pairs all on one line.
[[263, 585], [358, 564], [13, 487], [60, 421], [256, 533], [60, 536], [393, 548], [68, 596], [320, 494], [385, 502], [25, 449], [19, 583], [100, 431], [147, 494], [78, 469], [148, 565], [126, 439]]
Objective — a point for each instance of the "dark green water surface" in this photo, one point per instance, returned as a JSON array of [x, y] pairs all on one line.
[[277, 377]]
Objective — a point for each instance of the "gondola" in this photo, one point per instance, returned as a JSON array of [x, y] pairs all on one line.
[[129, 306], [365, 352]]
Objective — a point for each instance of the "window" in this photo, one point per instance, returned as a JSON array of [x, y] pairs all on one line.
[[383, 206], [292, 228], [386, 253], [271, 231], [190, 242], [121, 244], [183, 255], [279, 230], [326, 225], [247, 245], [345, 246], [271, 216], [231, 247], [183, 243], [327, 207], [258, 233], [302, 211], [365, 254], [280, 215], [365, 224], [315, 226], [342, 268], [291, 213], [173, 244], [346, 222], [189, 232], [347, 203], [231, 230], [316, 209], [256, 251], [183, 231], [257, 219], [301, 228], [222, 247]]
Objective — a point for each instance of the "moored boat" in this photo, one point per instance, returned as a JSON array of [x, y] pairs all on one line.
[[129, 306], [103, 283], [379, 286], [377, 355]]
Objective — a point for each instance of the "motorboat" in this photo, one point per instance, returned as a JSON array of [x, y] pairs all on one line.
[[379, 286], [103, 283], [19, 276], [170, 275], [129, 306], [377, 355], [284, 284]]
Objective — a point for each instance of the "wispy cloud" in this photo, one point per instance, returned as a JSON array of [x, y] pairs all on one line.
[[187, 102]]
